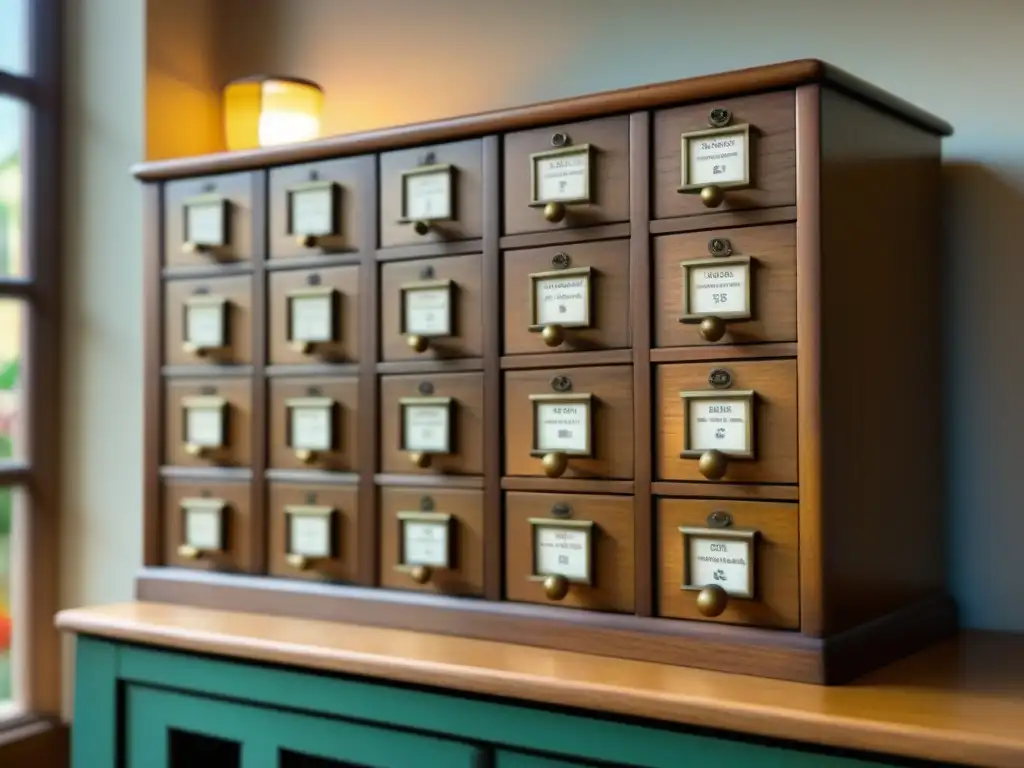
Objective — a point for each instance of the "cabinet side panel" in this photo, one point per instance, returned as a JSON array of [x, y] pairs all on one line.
[[152, 312], [882, 543]]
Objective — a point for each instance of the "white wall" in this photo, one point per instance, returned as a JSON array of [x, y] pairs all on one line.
[[397, 61]]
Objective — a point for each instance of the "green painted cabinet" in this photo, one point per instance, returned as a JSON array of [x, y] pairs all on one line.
[[142, 707]]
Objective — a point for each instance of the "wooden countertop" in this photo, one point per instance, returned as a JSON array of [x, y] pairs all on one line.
[[961, 701]]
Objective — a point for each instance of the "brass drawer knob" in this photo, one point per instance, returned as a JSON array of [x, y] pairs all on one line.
[[298, 562], [553, 335], [199, 451], [556, 587], [554, 212], [555, 463], [195, 349], [421, 574], [306, 456], [307, 241], [418, 343], [712, 328], [421, 227], [712, 196], [712, 601], [713, 464], [191, 247], [302, 347], [188, 552], [420, 460]]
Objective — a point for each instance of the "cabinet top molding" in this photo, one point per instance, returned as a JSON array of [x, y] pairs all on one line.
[[739, 82]]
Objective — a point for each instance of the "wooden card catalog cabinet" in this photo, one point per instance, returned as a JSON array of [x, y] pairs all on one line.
[[205, 425], [557, 361], [311, 535], [567, 176], [203, 527]]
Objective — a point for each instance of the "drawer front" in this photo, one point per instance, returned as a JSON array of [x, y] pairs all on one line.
[[432, 540], [313, 531], [744, 573], [313, 424], [208, 321], [570, 422], [745, 432], [208, 423], [567, 176], [432, 424], [314, 316], [572, 550], [431, 194], [729, 286], [431, 309], [570, 298], [208, 220], [315, 207], [206, 525], [750, 160]]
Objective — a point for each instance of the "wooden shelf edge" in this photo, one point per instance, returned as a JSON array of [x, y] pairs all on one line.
[[935, 705], [788, 74]]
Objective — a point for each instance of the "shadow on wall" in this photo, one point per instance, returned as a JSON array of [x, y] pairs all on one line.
[[983, 234]]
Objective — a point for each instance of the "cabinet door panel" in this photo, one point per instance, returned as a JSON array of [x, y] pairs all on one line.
[[268, 737]]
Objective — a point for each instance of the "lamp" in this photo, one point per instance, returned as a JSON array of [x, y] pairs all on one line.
[[264, 111]]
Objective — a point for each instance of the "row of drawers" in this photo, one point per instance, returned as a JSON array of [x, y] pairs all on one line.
[[732, 286], [734, 421], [573, 550], [736, 154]]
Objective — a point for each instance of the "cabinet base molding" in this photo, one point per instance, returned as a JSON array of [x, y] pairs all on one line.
[[766, 653]]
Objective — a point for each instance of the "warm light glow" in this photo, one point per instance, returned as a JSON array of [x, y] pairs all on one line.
[[269, 111]]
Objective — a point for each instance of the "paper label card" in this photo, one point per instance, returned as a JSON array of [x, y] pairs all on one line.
[[204, 526], [427, 194], [310, 533], [312, 427], [204, 426], [313, 210], [427, 310], [204, 324], [719, 421], [562, 551], [426, 425], [562, 298], [425, 542], [312, 317], [205, 223], [562, 175], [562, 425], [719, 157], [720, 288]]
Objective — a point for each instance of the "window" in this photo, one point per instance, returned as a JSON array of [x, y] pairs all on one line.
[[30, 40]]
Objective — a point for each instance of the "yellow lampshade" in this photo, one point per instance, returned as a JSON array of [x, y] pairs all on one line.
[[265, 111]]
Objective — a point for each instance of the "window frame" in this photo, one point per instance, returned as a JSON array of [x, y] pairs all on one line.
[[37, 474]]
